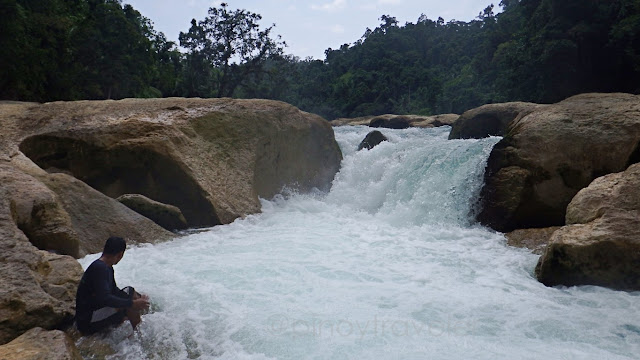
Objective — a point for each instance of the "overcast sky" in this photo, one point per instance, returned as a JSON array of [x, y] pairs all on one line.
[[309, 27]]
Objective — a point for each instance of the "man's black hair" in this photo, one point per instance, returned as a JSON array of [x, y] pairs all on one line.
[[114, 245]]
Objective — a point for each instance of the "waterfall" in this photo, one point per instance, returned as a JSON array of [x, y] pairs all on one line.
[[388, 265]]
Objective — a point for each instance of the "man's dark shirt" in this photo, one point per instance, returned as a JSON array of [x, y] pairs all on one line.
[[98, 289]]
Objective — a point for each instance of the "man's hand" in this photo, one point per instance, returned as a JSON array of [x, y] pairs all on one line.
[[141, 303]]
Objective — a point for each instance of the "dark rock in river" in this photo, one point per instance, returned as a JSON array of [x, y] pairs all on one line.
[[371, 140]]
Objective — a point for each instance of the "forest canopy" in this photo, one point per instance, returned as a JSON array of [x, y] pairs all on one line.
[[530, 50]]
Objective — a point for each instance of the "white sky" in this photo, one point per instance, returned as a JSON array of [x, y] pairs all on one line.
[[310, 27]]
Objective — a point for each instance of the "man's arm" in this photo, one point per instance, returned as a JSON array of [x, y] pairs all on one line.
[[103, 289]]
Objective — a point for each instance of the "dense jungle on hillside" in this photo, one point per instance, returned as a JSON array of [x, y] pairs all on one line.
[[520, 50]]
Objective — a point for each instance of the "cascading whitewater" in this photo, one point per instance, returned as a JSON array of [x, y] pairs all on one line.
[[388, 265], [415, 178]]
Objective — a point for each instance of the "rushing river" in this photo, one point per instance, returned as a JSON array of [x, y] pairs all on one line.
[[388, 265]]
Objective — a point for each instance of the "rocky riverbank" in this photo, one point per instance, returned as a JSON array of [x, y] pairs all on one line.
[[64, 164], [564, 174]]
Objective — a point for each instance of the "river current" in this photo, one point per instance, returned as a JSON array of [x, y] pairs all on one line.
[[388, 265]]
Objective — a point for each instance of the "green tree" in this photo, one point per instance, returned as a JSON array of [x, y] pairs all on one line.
[[532, 50], [225, 49], [168, 65]]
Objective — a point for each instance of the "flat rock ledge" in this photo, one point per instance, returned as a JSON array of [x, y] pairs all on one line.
[[391, 121]]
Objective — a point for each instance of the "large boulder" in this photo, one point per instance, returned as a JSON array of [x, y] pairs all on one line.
[[40, 344], [37, 288], [489, 120], [601, 243], [547, 156], [211, 158], [168, 216]]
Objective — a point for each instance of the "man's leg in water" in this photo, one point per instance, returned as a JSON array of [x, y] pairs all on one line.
[[135, 316]]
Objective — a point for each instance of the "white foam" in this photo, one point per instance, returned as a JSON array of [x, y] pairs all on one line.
[[386, 266]]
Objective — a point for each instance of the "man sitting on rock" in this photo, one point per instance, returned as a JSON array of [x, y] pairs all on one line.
[[100, 304]]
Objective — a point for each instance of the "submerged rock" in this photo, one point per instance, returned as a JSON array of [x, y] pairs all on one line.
[[38, 343], [371, 140], [547, 156], [601, 243]]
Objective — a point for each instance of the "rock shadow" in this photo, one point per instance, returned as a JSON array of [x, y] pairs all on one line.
[[119, 170]]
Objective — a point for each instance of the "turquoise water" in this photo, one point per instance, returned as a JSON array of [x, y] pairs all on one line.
[[388, 265]]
